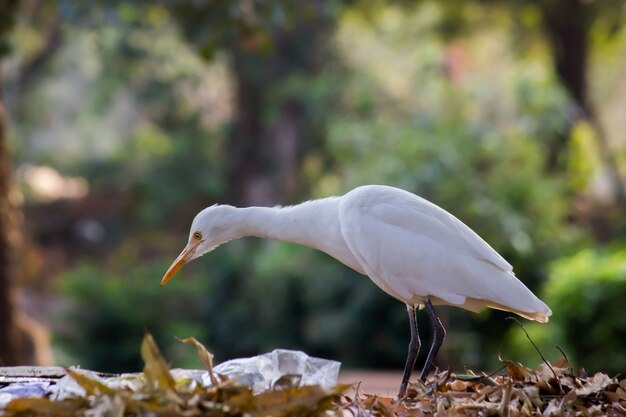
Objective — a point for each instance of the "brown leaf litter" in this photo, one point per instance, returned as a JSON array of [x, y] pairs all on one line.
[[160, 394], [551, 390]]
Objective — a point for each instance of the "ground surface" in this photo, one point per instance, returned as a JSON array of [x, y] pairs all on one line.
[[552, 390], [385, 383]]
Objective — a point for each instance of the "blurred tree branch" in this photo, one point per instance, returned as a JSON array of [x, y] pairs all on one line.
[[53, 42], [268, 44], [21, 340], [568, 25], [9, 350]]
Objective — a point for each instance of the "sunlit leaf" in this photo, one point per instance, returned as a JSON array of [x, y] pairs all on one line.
[[516, 370], [206, 357], [289, 401], [91, 386], [44, 407], [156, 370]]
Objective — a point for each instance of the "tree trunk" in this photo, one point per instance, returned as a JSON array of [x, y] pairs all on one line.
[[8, 329], [567, 28], [567, 23], [9, 349], [273, 132], [272, 45], [22, 341]]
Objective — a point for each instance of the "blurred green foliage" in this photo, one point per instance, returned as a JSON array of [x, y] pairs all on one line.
[[586, 292], [125, 114], [107, 317]]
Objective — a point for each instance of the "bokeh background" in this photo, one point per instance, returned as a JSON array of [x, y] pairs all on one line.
[[122, 119]]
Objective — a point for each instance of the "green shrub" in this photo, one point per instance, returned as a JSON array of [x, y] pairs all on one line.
[[587, 293], [108, 307]]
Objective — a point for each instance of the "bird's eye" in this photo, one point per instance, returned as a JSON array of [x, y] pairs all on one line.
[[197, 236]]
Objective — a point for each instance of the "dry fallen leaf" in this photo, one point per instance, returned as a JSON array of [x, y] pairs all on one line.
[[91, 386], [458, 385], [597, 383], [516, 370], [547, 391], [44, 407], [155, 369], [206, 357]]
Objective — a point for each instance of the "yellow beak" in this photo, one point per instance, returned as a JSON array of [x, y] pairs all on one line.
[[184, 257]]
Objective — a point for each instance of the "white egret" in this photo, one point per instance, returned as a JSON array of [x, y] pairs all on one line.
[[412, 249]]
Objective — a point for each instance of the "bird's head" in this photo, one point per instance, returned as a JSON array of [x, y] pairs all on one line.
[[209, 229]]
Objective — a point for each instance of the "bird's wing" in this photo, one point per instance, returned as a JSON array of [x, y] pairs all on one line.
[[414, 249], [425, 218], [407, 211]]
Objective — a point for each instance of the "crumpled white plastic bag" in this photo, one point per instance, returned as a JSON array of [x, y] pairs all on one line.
[[22, 390], [261, 372]]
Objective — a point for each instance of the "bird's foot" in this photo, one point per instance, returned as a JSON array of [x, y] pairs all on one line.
[[412, 392], [421, 388]]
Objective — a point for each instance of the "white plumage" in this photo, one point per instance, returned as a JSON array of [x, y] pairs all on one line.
[[412, 249]]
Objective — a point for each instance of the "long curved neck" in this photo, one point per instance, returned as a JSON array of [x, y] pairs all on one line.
[[314, 224], [307, 224]]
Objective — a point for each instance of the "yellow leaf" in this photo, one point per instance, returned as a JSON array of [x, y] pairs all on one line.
[[206, 357], [515, 370], [91, 386], [155, 369], [43, 406], [294, 401]]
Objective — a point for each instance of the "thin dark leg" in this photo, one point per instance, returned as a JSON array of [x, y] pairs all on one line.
[[414, 348], [439, 333]]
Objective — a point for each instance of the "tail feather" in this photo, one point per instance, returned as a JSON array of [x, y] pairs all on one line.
[[542, 316]]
